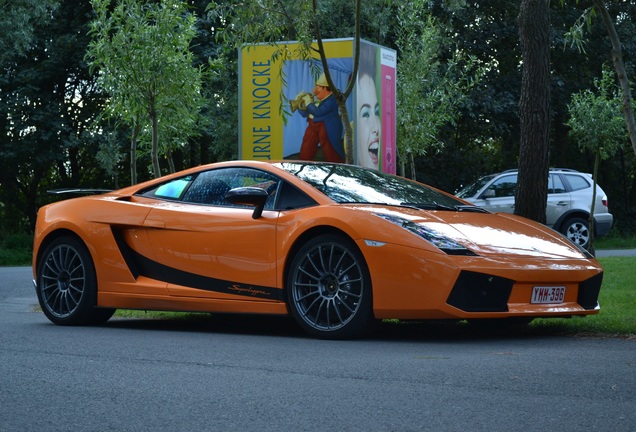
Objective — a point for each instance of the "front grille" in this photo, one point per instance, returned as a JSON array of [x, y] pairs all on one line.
[[480, 292], [588, 292]]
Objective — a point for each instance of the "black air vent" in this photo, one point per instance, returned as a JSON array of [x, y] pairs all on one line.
[[588, 292], [480, 292]]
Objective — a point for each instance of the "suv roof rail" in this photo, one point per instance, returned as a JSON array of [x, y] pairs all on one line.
[[550, 169], [564, 169]]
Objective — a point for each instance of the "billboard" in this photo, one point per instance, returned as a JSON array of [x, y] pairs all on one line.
[[288, 112]]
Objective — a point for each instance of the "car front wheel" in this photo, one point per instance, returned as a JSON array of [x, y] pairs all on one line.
[[329, 288], [577, 231], [66, 284]]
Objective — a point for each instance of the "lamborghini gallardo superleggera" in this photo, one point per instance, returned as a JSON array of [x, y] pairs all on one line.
[[336, 246]]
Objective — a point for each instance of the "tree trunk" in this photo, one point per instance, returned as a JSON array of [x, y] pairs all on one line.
[[155, 138], [133, 153], [348, 130], [534, 110], [590, 221]]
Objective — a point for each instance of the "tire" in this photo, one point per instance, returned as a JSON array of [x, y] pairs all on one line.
[[577, 231], [67, 284], [329, 288]]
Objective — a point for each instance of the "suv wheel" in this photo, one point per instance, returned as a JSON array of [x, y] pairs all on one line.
[[577, 231]]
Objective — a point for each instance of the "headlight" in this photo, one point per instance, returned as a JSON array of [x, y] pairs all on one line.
[[438, 240]]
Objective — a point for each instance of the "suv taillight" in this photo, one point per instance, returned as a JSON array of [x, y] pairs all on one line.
[[604, 200]]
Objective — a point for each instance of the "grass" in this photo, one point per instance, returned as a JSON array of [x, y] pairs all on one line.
[[16, 249], [618, 304], [615, 240]]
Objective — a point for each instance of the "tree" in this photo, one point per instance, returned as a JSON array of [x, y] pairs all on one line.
[[534, 110], [141, 53], [576, 37], [597, 125], [17, 22], [429, 89], [47, 106]]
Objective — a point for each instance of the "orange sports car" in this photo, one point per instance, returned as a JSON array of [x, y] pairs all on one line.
[[336, 246]]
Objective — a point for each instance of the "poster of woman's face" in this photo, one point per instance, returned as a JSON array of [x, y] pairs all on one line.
[[368, 120]]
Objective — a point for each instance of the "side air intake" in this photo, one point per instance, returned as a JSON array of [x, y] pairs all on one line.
[[588, 292], [480, 292]]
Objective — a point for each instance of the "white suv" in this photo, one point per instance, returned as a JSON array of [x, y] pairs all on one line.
[[569, 201]]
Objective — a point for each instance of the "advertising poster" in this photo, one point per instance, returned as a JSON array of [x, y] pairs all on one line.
[[288, 112]]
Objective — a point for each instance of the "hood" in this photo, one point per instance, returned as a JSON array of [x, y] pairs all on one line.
[[492, 234]]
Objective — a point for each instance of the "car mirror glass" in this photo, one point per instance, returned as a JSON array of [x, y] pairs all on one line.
[[251, 196]]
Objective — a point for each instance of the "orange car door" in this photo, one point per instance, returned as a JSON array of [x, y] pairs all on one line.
[[214, 251]]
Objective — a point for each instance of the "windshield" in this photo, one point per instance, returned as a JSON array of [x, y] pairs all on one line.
[[353, 184], [472, 189]]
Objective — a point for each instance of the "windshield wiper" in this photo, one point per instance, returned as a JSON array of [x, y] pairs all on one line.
[[422, 206], [471, 208], [458, 208]]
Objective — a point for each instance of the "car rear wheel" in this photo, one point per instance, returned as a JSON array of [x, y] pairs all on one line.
[[577, 231], [329, 288], [67, 284]]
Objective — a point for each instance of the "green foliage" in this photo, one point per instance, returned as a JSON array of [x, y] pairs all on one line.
[[17, 23], [47, 104], [595, 118], [141, 52], [431, 86], [16, 249], [597, 125], [264, 21], [575, 37], [110, 155]]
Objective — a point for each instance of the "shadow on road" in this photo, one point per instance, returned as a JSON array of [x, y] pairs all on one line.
[[281, 326]]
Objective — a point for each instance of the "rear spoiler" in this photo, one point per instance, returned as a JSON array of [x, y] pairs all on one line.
[[78, 191]]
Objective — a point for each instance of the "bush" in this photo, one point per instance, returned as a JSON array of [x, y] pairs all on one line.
[[16, 249]]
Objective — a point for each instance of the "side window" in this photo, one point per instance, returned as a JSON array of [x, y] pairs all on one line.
[[210, 187], [555, 185], [577, 182], [172, 190], [504, 186], [291, 198]]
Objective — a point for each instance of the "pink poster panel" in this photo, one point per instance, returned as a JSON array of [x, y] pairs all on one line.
[[388, 63]]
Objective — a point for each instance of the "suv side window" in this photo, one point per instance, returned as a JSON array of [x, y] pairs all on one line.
[[577, 182], [555, 185], [504, 186]]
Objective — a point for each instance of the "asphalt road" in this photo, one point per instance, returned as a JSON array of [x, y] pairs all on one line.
[[263, 374]]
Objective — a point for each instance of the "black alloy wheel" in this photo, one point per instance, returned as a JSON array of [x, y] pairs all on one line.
[[66, 284], [329, 288]]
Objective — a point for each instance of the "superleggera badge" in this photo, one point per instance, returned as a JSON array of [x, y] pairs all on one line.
[[248, 290]]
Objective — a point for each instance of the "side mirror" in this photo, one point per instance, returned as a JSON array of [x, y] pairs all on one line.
[[488, 193], [251, 196]]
